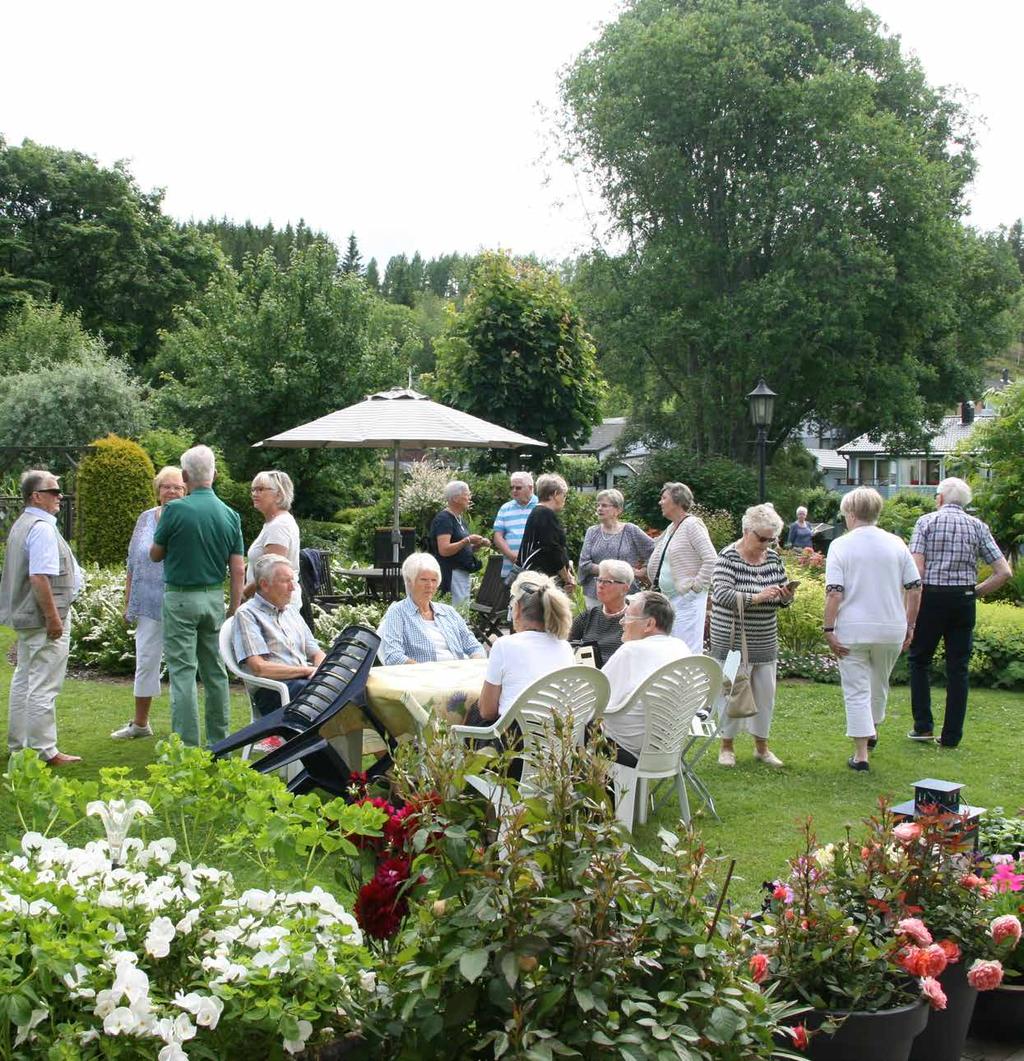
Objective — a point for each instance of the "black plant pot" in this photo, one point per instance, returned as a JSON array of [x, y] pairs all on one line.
[[943, 1039], [999, 1014], [882, 1036]]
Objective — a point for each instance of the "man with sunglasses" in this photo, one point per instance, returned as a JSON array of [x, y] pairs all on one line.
[[40, 579]]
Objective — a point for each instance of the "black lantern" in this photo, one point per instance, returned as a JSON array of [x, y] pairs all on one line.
[[762, 405]]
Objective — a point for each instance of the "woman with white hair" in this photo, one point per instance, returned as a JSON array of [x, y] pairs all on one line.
[[872, 594], [682, 564], [452, 543], [272, 496], [144, 596], [419, 629], [749, 572], [541, 616], [543, 547], [601, 624], [610, 539], [801, 534]]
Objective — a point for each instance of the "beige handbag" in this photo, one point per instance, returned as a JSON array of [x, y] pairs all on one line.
[[739, 701]]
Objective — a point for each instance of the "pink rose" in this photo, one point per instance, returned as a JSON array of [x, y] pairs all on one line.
[[985, 976], [783, 893], [951, 951], [907, 832], [1005, 927], [923, 961], [915, 929], [932, 990], [759, 968]]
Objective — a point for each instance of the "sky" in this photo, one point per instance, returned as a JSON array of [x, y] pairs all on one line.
[[418, 125]]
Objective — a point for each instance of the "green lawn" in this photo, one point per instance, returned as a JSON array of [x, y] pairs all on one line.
[[761, 808]]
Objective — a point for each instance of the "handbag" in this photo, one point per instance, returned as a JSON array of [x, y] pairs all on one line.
[[739, 701]]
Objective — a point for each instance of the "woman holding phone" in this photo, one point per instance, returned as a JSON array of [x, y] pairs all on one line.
[[750, 573]]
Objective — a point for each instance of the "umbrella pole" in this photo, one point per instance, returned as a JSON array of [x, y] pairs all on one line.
[[396, 530]]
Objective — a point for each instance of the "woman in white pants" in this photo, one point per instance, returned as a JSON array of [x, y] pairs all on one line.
[[873, 591], [144, 594]]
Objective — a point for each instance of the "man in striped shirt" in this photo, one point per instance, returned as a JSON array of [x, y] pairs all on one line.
[[947, 545], [510, 521]]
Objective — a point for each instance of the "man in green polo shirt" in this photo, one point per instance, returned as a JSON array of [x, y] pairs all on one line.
[[198, 537]]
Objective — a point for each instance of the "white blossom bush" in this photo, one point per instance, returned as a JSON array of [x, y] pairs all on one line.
[[161, 958], [422, 495], [100, 637], [327, 625]]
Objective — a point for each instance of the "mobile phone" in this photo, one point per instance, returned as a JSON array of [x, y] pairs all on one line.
[[791, 586]]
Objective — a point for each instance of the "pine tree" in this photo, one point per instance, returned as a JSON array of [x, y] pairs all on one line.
[[353, 262], [372, 275]]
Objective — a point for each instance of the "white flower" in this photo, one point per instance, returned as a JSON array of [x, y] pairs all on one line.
[[296, 1046], [367, 981], [25, 1030], [209, 1011], [161, 851], [119, 1021], [118, 929], [996, 860], [117, 816], [89, 1036], [158, 939], [188, 922], [32, 842], [183, 1028], [172, 1052], [825, 856], [106, 1002]]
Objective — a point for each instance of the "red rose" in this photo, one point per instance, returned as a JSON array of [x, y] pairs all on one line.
[[759, 968], [799, 1035]]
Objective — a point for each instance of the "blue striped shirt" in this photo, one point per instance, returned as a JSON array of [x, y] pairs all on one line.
[[511, 521], [402, 635]]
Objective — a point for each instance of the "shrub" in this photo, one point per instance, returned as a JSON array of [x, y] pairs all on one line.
[[164, 447], [903, 510], [237, 496], [100, 638], [115, 485], [327, 625], [422, 493], [720, 524], [822, 505], [800, 624], [577, 471], [322, 534]]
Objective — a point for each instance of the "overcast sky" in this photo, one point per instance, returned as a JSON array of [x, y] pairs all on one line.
[[419, 125]]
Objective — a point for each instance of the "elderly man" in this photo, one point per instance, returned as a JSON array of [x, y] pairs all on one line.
[[40, 580], [452, 543], [946, 546], [198, 537], [272, 640], [510, 522], [647, 644]]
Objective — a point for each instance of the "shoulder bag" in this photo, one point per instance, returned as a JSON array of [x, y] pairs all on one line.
[[739, 701]]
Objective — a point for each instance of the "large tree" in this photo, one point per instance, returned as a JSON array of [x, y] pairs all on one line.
[[519, 354], [88, 237], [785, 191], [272, 348]]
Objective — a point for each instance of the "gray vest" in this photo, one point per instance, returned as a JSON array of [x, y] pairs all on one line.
[[18, 607]]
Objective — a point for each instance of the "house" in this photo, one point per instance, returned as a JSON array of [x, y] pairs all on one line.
[[602, 443]]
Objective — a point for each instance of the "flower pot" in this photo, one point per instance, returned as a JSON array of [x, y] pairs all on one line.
[[943, 1039], [999, 1014], [885, 1035]]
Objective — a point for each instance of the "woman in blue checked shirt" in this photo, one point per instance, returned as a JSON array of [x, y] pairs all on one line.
[[419, 630]]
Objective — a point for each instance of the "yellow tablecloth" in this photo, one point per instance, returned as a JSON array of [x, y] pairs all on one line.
[[449, 688]]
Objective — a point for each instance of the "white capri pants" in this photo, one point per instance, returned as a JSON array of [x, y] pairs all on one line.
[[460, 587], [864, 674], [762, 685], [149, 650], [690, 609]]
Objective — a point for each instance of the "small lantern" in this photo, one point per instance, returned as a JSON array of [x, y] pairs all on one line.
[[762, 405]]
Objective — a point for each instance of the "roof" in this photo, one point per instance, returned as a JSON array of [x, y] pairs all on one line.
[[604, 435], [952, 431], [828, 460]]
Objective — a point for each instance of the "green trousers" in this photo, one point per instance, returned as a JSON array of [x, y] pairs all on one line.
[[192, 622]]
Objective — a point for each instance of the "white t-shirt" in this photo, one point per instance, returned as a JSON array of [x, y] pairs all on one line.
[[626, 671], [518, 660], [284, 531], [441, 650], [872, 566]]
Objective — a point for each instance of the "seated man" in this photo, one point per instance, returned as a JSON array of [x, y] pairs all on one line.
[[271, 639], [647, 645]]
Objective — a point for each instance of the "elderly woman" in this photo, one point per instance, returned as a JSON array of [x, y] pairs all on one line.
[[420, 630], [543, 547], [801, 534], [747, 570], [144, 595], [873, 592], [611, 539], [601, 623], [682, 563], [452, 543], [541, 615], [272, 495]]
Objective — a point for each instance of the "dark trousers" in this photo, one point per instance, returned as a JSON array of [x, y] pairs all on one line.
[[947, 614], [267, 700]]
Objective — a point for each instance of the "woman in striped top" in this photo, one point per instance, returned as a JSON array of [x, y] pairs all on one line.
[[749, 568]]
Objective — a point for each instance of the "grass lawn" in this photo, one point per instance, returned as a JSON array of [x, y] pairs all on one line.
[[761, 808]]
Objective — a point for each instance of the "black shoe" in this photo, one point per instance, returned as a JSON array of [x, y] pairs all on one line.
[[942, 744], [854, 764], [916, 735], [872, 742]]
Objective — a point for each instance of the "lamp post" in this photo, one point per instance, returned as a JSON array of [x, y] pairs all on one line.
[[762, 405]]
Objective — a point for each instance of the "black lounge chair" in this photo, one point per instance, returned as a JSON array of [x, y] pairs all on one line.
[[339, 680], [490, 609]]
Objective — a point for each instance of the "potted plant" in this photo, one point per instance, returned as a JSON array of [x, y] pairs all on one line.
[[1000, 1013]]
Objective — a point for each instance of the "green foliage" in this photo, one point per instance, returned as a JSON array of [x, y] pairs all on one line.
[[237, 496], [822, 505], [716, 482], [86, 236], [322, 534], [241, 240], [791, 475], [165, 447], [902, 511], [115, 486], [39, 335], [577, 471], [327, 625], [100, 637], [999, 835], [722, 528], [800, 624], [370, 519], [797, 217], [519, 353]]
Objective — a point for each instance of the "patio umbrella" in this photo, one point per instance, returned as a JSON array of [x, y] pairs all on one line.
[[395, 418]]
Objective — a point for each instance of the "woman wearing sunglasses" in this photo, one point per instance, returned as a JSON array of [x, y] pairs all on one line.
[[749, 572]]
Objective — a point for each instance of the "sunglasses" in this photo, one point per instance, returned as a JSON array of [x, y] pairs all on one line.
[[51, 490], [763, 540]]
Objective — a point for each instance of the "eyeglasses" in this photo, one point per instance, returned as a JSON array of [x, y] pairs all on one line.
[[55, 490], [762, 539], [258, 489], [610, 582], [634, 618]]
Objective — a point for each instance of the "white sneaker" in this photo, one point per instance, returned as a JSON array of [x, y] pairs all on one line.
[[726, 757], [130, 731], [769, 758]]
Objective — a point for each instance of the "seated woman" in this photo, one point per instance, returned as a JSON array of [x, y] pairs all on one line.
[[601, 624], [418, 630], [541, 615]]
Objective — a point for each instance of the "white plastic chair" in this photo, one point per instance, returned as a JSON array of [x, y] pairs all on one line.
[[250, 681], [704, 730], [669, 699], [575, 693]]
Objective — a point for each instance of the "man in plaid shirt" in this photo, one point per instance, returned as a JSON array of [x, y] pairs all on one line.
[[947, 545]]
